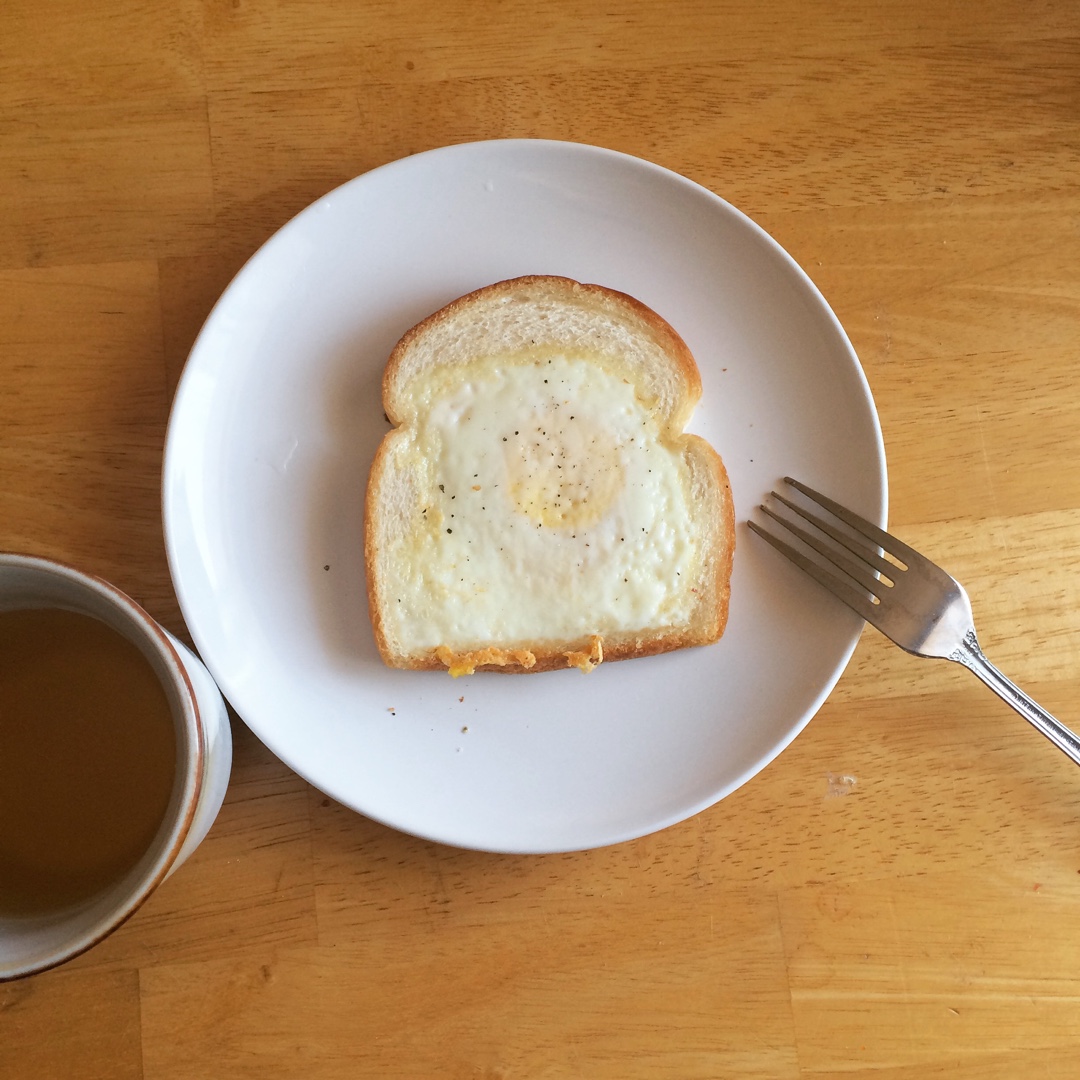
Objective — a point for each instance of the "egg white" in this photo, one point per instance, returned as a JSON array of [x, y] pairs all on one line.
[[547, 507]]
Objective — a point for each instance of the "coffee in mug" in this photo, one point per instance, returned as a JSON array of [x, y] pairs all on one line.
[[115, 754], [87, 758]]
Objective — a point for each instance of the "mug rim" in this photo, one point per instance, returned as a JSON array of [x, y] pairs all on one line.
[[194, 764]]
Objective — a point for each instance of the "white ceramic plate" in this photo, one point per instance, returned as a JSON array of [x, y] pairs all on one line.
[[278, 415]]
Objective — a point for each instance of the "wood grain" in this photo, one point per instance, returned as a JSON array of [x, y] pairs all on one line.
[[898, 895]]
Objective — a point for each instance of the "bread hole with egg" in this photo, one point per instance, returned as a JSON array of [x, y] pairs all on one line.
[[538, 503]]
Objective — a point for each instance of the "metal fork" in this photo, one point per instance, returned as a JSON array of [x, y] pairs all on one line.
[[910, 600]]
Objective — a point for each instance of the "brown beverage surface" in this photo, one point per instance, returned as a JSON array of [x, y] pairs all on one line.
[[87, 757]]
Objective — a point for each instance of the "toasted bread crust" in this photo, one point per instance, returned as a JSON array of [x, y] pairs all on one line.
[[376, 600], [676, 402], [557, 658], [400, 371]]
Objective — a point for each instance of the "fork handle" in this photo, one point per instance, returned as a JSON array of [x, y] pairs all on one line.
[[971, 656]]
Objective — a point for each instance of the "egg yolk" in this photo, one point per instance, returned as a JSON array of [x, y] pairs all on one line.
[[564, 473]]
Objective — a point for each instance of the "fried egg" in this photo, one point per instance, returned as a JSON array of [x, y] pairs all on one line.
[[546, 504]]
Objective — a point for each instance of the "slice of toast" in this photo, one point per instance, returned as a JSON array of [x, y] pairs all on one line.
[[537, 504]]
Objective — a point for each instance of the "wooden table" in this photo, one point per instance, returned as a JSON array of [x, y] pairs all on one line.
[[898, 895]]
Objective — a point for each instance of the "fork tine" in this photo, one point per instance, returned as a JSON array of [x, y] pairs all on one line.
[[854, 599], [862, 551], [856, 571], [886, 541]]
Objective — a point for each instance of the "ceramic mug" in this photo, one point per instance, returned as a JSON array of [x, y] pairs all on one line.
[[33, 943]]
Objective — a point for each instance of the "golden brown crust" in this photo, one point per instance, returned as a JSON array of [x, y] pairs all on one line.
[[573, 291], [555, 658], [724, 515], [371, 546]]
